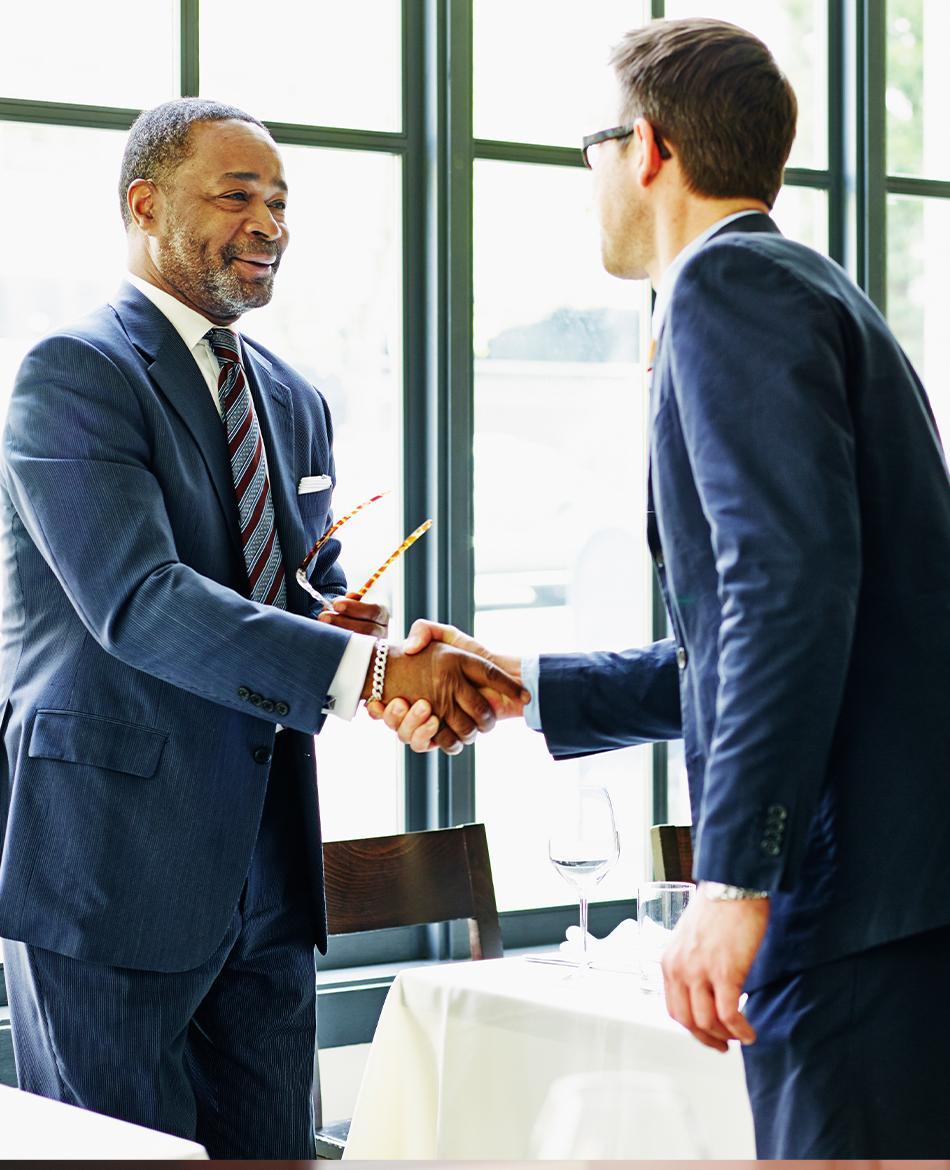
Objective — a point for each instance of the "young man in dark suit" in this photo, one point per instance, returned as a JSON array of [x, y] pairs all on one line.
[[800, 527]]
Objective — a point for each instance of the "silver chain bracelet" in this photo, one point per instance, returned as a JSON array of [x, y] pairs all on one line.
[[379, 670]]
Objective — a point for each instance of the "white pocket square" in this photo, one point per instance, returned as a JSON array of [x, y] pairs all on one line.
[[314, 483]]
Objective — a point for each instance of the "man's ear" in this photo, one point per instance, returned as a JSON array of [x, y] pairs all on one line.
[[649, 161], [142, 198]]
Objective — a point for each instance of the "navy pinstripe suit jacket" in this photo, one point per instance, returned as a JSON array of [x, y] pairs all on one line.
[[135, 765]]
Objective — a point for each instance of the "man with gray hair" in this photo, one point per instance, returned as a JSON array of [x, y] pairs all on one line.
[[161, 877]]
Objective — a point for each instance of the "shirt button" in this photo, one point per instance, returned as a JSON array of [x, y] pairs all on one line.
[[262, 755], [282, 708], [681, 657]]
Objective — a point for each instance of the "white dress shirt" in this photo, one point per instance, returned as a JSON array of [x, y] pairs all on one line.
[[347, 684]]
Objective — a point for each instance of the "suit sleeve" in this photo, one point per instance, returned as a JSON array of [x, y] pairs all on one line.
[[761, 393], [78, 469], [603, 701]]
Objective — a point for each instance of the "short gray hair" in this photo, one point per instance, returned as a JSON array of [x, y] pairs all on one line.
[[158, 142]]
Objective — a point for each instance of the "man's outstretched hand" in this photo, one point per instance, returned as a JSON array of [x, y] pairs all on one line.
[[417, 723], [452, 682]]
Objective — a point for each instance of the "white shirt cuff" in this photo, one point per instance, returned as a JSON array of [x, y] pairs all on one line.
[[530, 677], [346, 686]]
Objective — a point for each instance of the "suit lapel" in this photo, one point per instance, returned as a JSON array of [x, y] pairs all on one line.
[[274, 406], [178, 378]]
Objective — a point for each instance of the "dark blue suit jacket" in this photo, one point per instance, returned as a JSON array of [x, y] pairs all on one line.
[[801, 534], [135, 762]]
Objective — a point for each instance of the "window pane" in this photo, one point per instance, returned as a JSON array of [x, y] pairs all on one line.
[[802, 214], [918, 88], [918, 296], [540, 67], [320, 63], [109, 54], [42, 287], [560, 480], [797, 33], [336, 317]]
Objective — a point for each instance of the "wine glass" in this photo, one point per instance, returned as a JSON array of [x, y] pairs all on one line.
[[583, 845]]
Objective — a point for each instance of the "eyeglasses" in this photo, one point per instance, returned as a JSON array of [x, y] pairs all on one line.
[[371, 581], [618, 132]]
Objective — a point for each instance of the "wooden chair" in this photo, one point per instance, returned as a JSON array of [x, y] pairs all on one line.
[[376, 883], [672, 853]]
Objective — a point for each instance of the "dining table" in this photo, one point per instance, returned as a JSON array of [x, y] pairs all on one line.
[[520, 1058], [35, 1128]]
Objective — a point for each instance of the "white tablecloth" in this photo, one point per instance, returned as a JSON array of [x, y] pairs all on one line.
[[466, 1054], [32, 1127]]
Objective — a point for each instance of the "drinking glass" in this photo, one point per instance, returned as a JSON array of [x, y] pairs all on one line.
[[660, 906], [583, 845]]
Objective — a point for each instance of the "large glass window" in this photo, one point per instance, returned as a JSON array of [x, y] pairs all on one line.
[[328, 64], [560, 473], [539, 67], [64, 264], [98, 54], [918, 206], [917, 93]]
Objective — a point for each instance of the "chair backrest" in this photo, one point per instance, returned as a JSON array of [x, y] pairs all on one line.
[[441, 875], [672, 853]]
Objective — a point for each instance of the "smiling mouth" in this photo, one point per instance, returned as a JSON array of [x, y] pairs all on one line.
[[257, 265]]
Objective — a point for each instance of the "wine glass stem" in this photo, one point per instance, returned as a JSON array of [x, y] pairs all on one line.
[[583, 908]]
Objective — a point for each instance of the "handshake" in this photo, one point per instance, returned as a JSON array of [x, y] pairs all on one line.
[[441, 687]]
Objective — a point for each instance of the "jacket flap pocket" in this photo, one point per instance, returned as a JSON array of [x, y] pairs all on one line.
[[92, 739]]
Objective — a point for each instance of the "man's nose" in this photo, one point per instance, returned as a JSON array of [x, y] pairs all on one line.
[[263, 223]]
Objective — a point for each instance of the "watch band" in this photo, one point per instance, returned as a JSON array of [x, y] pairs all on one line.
[[720, 892]]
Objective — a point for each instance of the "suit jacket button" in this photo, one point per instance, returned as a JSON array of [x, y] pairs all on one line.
[[659, 562], [262, 755], [256, 699], [267, 705], [681, 657], [243, 693], [282, 708]]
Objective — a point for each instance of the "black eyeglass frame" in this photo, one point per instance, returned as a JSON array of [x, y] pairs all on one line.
[[618, 132]]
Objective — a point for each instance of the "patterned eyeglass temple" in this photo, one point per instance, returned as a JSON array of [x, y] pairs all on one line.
[[407, 543], [301, 574]]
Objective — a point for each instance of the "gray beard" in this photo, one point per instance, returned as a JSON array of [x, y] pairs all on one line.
[[209, 283]]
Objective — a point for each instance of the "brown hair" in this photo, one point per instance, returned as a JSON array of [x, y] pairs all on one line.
[[714, 92]]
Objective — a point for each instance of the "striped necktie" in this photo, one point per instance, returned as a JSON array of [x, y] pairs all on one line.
[[262, 555]]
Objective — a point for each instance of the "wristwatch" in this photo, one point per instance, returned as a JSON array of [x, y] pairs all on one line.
[[720, 892]]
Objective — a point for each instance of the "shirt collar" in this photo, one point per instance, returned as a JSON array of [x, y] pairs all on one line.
[[664, 290], [190, 325]]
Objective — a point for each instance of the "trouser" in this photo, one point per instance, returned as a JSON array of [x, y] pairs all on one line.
[[851, 1056], [222, 1054]]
